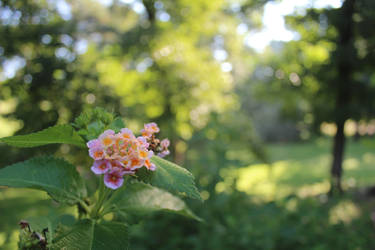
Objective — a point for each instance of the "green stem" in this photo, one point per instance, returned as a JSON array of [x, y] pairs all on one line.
[[106, 206], [103, 192], [84, 206]]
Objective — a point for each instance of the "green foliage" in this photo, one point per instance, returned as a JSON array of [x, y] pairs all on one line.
[[117, 124], [171, 177], [139, 198], [238, 221], [62, 182], [57, 177], [91, 235], [56, 134], [47, 227], [93, 115], [92, 122]]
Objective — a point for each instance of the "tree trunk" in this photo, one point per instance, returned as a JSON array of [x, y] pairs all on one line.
[[338, 155], [345, 69], [357, 135]]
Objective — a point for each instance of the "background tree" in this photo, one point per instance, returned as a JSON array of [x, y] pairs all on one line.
[[328, 77], [345, 84], [49, 85]]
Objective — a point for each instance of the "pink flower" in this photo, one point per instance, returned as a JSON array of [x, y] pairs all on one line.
[[96, 153], [113, 179], [107, 138], [126, 134], [143, 141], [149, 165], [144, 154], [95, 149], [163, 153], [101, 166], [150, 129], [93, 144], [111, 152], [135, 163], [122, 154], [123, 167], [165, 143]]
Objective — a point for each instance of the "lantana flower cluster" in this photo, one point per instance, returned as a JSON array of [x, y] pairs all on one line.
[[120, 154]]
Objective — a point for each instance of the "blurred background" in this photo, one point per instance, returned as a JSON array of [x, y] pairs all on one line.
[[269, 103]]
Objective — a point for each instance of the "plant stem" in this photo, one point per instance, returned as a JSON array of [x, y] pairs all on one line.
[[103, 192], [107, 203], [84, 206]]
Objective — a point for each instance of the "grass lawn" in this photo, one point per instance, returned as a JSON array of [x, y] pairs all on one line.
[[303, 168]]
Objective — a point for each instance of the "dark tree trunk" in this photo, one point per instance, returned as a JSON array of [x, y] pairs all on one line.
[[357, 135], [338, 154], [345, 69]]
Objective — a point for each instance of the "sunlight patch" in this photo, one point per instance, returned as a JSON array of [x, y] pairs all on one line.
[[314, 189], [260, 179], [9, 126], [351, 163], [345, 212], [2, 238], [368, 158]]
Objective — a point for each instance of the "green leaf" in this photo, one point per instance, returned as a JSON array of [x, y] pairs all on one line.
[[117, 124], [57, 177], [89, 235], [39, 223], [56, 134], [94, 129], [171, 177], [54, 224], [139, 198]]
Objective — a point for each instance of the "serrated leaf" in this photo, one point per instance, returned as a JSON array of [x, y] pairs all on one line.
[[139, 198], [39, 223], [94, 129], [54, 224], [117, 124], [57, 177], [89, 235], [56, 134], [171, 177]]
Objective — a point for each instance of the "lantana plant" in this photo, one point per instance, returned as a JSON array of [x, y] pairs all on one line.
[[133, 180]]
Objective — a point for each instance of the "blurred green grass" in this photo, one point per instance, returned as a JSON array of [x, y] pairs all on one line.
[[303, 168]]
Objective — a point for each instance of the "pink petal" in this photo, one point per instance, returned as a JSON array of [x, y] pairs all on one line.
[[152, 126], [108, 132], [152, 167], [165, 143], [146, 133], [93, 143], [126, 131], [143, 141], [101, 167], [113, 179], [163, 153], [96, 153]]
